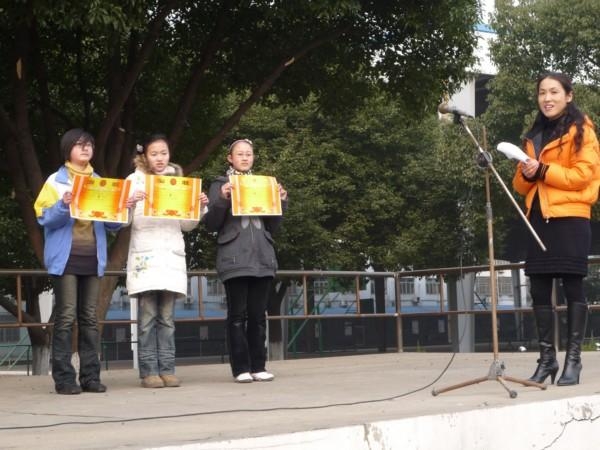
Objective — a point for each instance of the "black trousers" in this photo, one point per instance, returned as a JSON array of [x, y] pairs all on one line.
[[541, 288], [247, 299]]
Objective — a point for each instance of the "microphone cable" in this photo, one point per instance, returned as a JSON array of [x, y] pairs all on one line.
[[231, 411]]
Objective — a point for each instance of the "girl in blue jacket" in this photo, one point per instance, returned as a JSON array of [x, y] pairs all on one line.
[[75, 254]]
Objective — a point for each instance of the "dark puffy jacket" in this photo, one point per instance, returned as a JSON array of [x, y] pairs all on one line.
[[245, 243]]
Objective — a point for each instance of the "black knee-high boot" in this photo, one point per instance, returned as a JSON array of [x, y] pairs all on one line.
[[577, 317], [547, 363]]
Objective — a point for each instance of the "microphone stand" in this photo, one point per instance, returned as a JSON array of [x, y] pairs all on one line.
[[496, 370]]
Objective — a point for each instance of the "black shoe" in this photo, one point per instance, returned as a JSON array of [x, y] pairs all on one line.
[[94, 386], [67, 389]]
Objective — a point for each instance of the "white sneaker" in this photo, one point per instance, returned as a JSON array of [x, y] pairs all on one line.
[[263, 376], [243, 378]]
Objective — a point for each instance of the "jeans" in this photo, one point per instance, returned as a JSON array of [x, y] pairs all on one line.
[[247, 299], [75, 300], [156, 333]]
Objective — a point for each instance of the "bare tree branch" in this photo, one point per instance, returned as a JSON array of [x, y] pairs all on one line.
[[130, 79], [213, 44], [49, 119], [117, 260], [118, 161], [36, 334], [23, 197], [26, 148], [262, 88], [7, 126], [82, 81], [11, 307]]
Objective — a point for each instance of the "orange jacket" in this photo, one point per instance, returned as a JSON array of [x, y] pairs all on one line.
[[571, 184]]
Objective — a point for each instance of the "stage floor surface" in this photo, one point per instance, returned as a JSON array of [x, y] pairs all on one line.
[[307, 394]]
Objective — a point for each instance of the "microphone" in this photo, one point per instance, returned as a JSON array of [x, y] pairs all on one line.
[[444, 108]]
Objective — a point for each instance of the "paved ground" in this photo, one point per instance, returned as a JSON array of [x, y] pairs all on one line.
[[307, 394]]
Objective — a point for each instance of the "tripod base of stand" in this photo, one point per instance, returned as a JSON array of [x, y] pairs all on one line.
[[496, 373]]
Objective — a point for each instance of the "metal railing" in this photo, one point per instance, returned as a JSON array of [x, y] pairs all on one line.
[[14, 357], [309, 310]]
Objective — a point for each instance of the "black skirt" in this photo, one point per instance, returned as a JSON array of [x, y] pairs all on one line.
[[568, 243]]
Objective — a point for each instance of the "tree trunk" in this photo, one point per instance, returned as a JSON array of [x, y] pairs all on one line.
[[276, 332], [41, 339], [117, 259], [380, 308], [40, 359], [276, 351]]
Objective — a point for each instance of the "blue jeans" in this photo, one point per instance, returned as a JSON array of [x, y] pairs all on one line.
[[156, 333], [247, 299], [75, 301]]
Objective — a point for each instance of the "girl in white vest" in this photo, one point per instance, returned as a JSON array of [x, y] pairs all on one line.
[[156, 268]]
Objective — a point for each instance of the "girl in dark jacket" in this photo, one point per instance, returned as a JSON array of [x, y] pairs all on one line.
[[246, 265]]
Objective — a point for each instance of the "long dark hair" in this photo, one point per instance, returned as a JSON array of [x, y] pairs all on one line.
[[572, 115]]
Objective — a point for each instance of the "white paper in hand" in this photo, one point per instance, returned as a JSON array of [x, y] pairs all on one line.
[[512, 151]]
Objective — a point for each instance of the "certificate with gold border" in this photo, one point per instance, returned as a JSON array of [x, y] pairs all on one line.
[[170, 197], [101, 199], [254, 195]]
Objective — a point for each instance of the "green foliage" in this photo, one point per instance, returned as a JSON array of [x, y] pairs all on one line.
[[372, 188], [12, 237], [16, 253], [76, 56], [332, 85], [534, 37]]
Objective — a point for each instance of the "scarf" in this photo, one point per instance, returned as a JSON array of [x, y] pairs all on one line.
[[232, 171], [87, 171], [84, 242]]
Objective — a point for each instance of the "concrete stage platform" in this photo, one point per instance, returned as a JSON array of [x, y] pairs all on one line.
[[380, 401]]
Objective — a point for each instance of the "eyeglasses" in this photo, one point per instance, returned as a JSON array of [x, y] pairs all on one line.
[[233, 144], [84, 145]]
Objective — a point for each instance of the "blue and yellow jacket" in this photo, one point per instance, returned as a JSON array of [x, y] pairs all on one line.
[[53, 214]]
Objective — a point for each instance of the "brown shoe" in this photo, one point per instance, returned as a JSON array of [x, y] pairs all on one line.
[[152, 381], [170, 380]]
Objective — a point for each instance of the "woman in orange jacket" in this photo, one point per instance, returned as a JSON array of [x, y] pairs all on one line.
[[560, 182]]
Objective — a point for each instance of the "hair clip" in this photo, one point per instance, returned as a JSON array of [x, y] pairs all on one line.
[[139, 149]]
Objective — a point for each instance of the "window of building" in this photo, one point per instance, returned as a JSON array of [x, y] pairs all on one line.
[[441, 326], [482, 286], [414, 325], [407, 286], [432, 286], [505, 286], [214, 287], [320, 286], [9, 335]]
